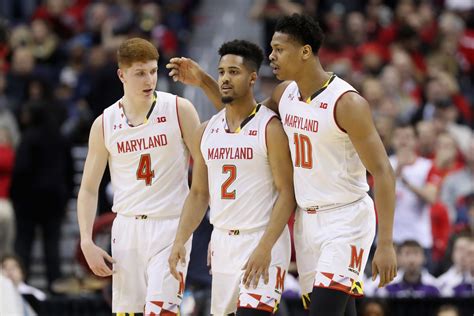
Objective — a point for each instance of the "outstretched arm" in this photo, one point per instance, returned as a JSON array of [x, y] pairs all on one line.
[[87, 200], [353, 115], [189, 72], [194, 207], [282, 172]]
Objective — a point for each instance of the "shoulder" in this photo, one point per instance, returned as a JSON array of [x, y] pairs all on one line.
[[277, 94], [98, 124], [265, 111], [183, 103], [351, 101]]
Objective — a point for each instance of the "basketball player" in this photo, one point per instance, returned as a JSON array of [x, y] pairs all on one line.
[[332, 141], [244, 172], [145, 137]]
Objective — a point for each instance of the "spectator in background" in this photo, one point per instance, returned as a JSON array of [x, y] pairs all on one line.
[[459, 271], [42, 183], [22, 71], [412, 279], [412, 216], [426, 132], [7, 216], [269, 11], [11, 302], [373, 307], [12, 269], [406, 103], [385, 126], [7, 119], [447, 310], [459, 184]]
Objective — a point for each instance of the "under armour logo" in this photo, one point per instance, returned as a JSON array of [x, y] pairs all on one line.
[[291, 96], [214, 130], [117, 126]]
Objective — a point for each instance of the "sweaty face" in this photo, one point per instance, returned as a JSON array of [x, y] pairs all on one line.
[[140, 79], [235, 79], [285, 58]]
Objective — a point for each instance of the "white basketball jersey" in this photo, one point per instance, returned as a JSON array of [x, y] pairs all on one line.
[[148, 163], [242, 192], [327, 168]]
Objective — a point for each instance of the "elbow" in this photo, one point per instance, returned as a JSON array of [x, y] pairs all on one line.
[[287, 194], [386, 173]]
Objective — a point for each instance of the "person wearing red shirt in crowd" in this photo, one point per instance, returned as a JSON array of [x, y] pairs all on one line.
[[7, 158]]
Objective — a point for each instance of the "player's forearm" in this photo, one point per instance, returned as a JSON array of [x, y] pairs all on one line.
[[194, 210], [384, 186], [211, 89], [282, 210], [86, 210]]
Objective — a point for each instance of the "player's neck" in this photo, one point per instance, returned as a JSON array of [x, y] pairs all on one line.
[[136, 110], [239, 111], [311, 79]]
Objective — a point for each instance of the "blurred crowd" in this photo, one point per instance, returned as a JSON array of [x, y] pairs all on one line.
[[413, 60]]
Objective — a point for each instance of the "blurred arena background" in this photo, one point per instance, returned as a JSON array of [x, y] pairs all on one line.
[[413, 60]]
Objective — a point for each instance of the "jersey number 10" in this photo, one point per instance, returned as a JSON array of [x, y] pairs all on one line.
[[303, 151]]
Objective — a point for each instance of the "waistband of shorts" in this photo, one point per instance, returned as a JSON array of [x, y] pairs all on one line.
[[329, 207], [237, 232], [148, 217]]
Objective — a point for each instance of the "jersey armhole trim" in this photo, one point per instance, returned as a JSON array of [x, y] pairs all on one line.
[[179, 121], [266, 125], [334, 111]]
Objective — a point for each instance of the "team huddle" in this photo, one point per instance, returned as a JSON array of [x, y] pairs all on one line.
[[253, 171]]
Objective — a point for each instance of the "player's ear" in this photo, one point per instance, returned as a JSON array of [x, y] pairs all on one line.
[[120, 75], [307, 52], [253, 78]]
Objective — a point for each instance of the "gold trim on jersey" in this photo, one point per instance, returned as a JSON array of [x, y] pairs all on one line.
[[325, 85], [245, 121]]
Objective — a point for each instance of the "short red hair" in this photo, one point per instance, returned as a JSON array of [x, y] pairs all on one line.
[[136, 50]]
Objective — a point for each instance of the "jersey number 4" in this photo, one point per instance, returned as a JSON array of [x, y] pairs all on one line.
[[144, 171], [303, 151], [232, 171]]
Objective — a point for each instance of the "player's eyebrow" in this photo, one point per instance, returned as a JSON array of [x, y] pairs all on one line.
[[230, 67]]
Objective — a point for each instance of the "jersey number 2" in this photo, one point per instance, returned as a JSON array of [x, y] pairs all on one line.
[[232, 171], [144, 171], [303, 151]]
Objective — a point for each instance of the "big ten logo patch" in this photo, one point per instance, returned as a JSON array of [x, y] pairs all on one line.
[[323, 105], [253, 132], [355, 264], [161, 119]]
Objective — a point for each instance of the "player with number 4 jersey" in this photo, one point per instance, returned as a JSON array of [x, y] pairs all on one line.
[[144, 137]]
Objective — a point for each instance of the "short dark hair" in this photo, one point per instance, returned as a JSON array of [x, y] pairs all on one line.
[[410, 243], [250, 52], [302, 28]]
